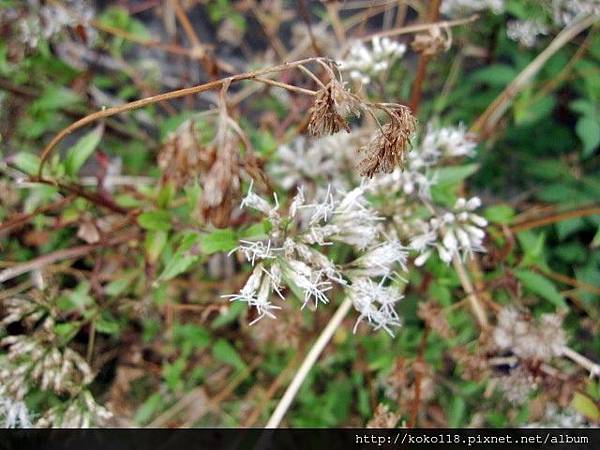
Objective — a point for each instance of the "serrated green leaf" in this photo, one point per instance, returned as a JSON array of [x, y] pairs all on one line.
[[79, 153]]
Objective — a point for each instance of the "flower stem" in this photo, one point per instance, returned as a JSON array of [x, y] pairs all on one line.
[[309, 361]]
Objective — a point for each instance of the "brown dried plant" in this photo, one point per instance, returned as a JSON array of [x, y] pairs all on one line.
[[387, 149]]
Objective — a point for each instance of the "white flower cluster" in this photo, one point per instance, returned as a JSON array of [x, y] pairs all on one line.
[[364, 64], [36, 361], [13, 413], [326, 159], [48, 21], [529, 339], [566, 11], [437, 146], [455, 8], [293, 256], [525, 31], [456, 233]]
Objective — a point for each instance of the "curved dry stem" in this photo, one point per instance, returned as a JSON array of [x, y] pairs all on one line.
[[216, 84], [309, 361]]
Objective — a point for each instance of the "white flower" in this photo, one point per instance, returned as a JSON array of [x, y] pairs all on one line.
[[448, 142], [457, 233], [256, 250], [13, 413], [363, 64], [380, 260], [566, 11], [311, 282], [525, 31], [375, 303], [454, 8], [257, 292]]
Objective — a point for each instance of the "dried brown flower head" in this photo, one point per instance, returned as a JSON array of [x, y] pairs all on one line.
[[383, 418], [387, 149], [181, 158], [432, 42], [332, 102]]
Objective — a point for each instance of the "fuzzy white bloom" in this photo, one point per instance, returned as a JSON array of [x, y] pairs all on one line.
[[375, 303], [380, 260], [257, 292], [457, 233], [455, 8], [290, 257], [322, 159], [363, 63], [13, 413], [566, 11], [449, 142], [525, 31]]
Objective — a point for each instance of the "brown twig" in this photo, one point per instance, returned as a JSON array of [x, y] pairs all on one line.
[[554, 218], [69, 253], [212, 85], [417, 90]]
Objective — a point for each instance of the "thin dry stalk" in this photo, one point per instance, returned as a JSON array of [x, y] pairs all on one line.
[[308, 363], [494, 112]]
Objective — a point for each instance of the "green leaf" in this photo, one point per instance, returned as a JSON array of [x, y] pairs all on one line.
[[150, 407], [541, 286], [448, 176], [503, 214], [223, 351], [107, 324], [54, 98], [155, 220], [585, 406], [497, 75], [154, 243], [178, 264], [588, 130], [78, 154], [219, 241], [27, 162]]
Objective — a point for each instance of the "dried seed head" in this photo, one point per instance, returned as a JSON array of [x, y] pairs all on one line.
[[327, 113], [182, 157], [432, 42], [387, 149]]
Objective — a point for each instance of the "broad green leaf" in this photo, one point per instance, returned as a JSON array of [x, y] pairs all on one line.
[[219, 241], [154, 244], [497, 75], [585, 406], [588, 130], [499, 214], [223, 351], [27, 162], [78, 154], [155, 220], [453, 175], [179, 263], [541, 286]]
